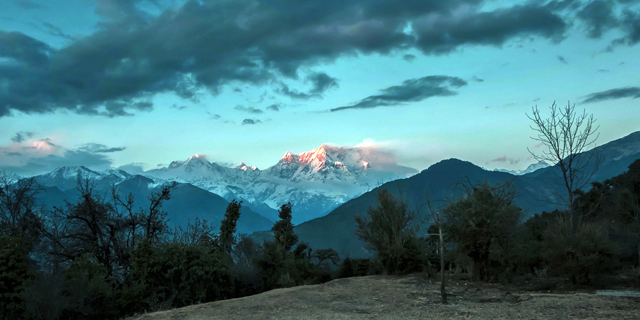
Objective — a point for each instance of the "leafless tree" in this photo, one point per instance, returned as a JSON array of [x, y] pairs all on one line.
[[566, 135], [19, 214], [436, 218]]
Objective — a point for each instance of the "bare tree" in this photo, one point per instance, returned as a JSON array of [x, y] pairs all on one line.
[[566, 135], [19, 214], [436, 217]]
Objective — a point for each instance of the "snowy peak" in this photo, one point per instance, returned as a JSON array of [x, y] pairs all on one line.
[[244, 167]]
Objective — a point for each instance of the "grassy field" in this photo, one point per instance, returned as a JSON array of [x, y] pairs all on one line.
[[414, 297]]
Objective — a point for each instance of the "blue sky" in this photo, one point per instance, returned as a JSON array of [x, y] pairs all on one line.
[[138, 84]]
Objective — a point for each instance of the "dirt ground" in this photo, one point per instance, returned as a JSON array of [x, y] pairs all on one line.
[[413, 297]]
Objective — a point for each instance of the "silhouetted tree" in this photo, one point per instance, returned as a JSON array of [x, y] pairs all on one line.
[[18, 211], [387, 230], [228, 226], [283, 229], [482, 225]]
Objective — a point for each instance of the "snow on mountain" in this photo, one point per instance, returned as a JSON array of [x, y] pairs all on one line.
[[66, 178], [314, 182], [531, 168]]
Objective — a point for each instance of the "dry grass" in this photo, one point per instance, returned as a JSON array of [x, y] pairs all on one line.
[[408, 297]]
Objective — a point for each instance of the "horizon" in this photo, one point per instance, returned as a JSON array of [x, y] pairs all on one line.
[[127, 84]]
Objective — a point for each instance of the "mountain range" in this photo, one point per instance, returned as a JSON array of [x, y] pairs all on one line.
[[538, 191], [187, 202], [315, 182], [337, 181]]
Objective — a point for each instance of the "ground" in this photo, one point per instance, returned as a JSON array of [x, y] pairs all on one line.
[[414, 297]]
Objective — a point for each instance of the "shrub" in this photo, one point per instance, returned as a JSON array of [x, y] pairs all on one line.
[[579, 254]]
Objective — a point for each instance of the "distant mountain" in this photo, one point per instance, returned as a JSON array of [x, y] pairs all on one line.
[[187, 201], [315, 182], [538, 192], [531, 168]]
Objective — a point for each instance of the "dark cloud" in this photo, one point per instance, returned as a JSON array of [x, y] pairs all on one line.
[[14, 154], [619, 93], [53, 30], [175, 106], [603, 70], [442, 34], [563, 60], [599, 17], [208, 44], [320, 82], [556, 5], [19, 137], [213, 116], [248, 109], [505, 159], [477, 79], [274, 107], [99, 148], [410, 91], [631, 26], [409, 57], [26, 4], [251, 121]]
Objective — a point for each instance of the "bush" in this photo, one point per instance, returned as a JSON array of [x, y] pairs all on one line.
[[179, 275], [358, 268], [579, 254]]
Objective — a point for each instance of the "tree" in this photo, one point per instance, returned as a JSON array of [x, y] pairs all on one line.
[[565, 135], [228, 226], [436, 215], [387, 230], [482, 225], [283, 228], [18, 210]]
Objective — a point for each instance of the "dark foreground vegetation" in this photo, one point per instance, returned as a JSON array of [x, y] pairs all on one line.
[[101, 258]]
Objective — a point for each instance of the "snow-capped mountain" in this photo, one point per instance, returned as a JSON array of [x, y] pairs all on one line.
[[67, 177], [314, 182], [531, 168]]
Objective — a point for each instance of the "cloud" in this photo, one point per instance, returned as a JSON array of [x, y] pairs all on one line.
[[133, 168], [599, 17], [619, 93], [274, 107], [477, 79], [134, 55], [19, 137], [99, 148], [44, 155], [175, 106], [213, 116], [320, 81], [444, 33], [505, 159], [411, 90], [563, 60], [26, 4], [248, 109], [251, 121], [409, 57], [55, 31]]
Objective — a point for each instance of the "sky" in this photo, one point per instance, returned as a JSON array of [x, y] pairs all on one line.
[[137, 84]]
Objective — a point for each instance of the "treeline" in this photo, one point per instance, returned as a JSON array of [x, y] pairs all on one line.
[[485, 237], [101, 258]]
